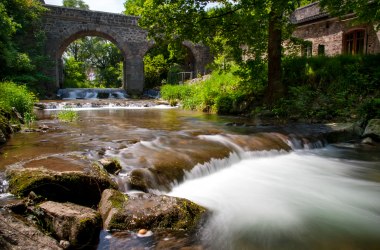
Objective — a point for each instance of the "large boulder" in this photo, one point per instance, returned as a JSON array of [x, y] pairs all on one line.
[[70, 222], [80, 187], [149, 211], [372, 129], [15, 234]]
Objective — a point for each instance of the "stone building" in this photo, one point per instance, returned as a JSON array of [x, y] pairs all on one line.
[[332, 35]]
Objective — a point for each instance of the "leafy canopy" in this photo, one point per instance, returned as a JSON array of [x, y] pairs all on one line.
[[75, 4], [22, 42], [366, 11]]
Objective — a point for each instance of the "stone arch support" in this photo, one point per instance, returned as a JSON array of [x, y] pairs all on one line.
[[202, 56]]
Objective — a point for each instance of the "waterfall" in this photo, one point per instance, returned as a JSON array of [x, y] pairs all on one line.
[[298, 200]]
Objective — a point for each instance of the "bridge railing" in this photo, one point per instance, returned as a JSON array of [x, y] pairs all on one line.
[[180, 77]]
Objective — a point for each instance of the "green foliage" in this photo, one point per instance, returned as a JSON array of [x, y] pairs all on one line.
[[340, 87], [222, 93], [370, 108], [29, 118], [21, 60], [134, 7], [67, 115], [155, 69], [259, 25], [75, 76], [17, 96], [93, 54], [164, 61], [75, 4], [366, 11]]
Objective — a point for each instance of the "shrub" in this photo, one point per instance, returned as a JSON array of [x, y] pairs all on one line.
[[17, 96], [341, 87], [221, 93]]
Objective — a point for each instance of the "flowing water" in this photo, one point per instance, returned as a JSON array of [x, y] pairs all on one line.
[[268, 187]]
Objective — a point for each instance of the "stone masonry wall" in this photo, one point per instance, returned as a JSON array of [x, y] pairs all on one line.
[[330, 33]]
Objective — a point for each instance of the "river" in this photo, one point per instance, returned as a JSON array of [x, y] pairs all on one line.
[[268, 187]]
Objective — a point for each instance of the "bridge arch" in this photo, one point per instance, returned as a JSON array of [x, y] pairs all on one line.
[[64, 25], [75, 34]]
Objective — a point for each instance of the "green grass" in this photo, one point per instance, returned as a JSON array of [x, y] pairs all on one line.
[[67, 115], [220, 93], [17, 96]]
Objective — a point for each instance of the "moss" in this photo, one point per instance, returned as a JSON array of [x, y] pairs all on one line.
[[57, 186], [191, 215], [111, 165], [87, 231], [118, 199]]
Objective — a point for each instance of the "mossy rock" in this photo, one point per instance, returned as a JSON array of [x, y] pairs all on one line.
[[82, 188], [149, 211], [70, 222], [16, 233], [111, 165], [373, 129]]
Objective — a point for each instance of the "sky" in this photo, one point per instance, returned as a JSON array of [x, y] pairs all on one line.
[[114, 6]]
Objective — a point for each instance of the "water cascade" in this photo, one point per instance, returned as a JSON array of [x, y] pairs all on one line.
[[297, 200], [95, 93]]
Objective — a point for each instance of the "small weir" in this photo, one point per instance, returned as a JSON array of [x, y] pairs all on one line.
[[95, 93]]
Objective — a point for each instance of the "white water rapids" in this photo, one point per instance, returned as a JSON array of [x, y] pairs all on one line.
[[298, 200]]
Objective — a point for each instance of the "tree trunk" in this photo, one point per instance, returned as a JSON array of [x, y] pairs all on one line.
[[275, 88]]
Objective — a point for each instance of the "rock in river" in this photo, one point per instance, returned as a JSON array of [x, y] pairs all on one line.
[[16, 234], [80, 187], [373, 129], [70, 222], [149, 211]]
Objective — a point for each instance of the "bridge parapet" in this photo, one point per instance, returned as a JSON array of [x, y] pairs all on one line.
[[99, 17]]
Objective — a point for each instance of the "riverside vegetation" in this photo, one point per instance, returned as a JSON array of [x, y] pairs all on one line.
[[319, 89]]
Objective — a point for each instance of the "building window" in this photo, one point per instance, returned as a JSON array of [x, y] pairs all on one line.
[[321, 49], [354, 42], [307, 49]]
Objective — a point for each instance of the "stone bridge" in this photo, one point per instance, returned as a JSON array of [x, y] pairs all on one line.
[[64, 25]]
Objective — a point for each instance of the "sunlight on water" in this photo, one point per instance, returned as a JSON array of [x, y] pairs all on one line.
[[287, 201]]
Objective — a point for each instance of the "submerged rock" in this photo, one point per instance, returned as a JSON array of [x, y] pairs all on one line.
[[78, 225], [80, 187], [16, 234], [372, 130], [148, 211]]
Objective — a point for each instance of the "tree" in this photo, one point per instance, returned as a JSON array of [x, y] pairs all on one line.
[[75, 4], [259, 26], [93, 54], [366, 11], [21, 41], [134, 7]]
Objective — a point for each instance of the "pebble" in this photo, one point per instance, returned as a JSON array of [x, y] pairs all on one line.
[[144, 233]]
